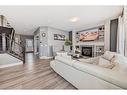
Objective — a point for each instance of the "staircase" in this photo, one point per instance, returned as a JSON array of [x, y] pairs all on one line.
[[9, 45]]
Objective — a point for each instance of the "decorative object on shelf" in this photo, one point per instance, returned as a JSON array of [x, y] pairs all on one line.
[[43, 34], [59, 37], [77, 52], [99, 50], [101, 33]]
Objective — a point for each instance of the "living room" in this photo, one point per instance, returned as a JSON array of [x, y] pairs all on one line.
[[79, 47], [98, 58], [102, 35]]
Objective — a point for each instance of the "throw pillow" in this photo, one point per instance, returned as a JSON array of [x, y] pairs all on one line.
[[105, 63], [108, 55]]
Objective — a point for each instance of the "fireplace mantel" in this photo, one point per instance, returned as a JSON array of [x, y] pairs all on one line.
[[90, 43]]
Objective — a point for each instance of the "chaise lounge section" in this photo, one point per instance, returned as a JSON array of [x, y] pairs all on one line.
[[84, 75]]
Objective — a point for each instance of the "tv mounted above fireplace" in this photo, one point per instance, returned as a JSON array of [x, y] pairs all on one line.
[[89, 35]]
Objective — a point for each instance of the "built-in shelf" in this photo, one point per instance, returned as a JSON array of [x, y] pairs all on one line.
[[99, 50]]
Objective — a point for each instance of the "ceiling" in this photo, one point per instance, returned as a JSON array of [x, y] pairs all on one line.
[[26, 19]]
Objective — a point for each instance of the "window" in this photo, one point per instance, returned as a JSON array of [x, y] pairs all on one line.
[[29, 43]]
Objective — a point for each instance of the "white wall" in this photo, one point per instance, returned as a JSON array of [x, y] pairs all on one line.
[[51, 32], [107, 35], [57, 44]]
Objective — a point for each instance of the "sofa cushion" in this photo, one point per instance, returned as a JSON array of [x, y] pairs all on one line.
[[121, 63], [105, 63], [121, 68], [108, 55], [93, 60], [120, 59], [109, 75]]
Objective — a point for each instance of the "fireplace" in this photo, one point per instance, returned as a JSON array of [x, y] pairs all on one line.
[[87, 51]]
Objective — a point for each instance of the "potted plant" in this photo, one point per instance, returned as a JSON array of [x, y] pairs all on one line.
[[68, 42]]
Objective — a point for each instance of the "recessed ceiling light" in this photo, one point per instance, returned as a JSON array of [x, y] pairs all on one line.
[[73, 19]]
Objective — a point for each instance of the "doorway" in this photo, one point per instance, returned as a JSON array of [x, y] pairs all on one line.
[[36, 44], [29, 45]]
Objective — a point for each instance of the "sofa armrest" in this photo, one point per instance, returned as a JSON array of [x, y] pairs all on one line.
[[67, 61]]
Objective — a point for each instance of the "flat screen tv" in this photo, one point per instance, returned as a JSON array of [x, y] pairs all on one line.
[[89, 35]]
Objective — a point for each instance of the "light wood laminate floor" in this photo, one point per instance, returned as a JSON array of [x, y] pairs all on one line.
[[35, 74]]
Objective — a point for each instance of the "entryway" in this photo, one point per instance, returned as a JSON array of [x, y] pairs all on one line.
[[29, 45]]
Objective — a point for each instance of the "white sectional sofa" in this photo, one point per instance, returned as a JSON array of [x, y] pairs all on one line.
[[86, 74]]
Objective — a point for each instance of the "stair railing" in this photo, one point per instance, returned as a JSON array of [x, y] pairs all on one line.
[[15, 49]]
